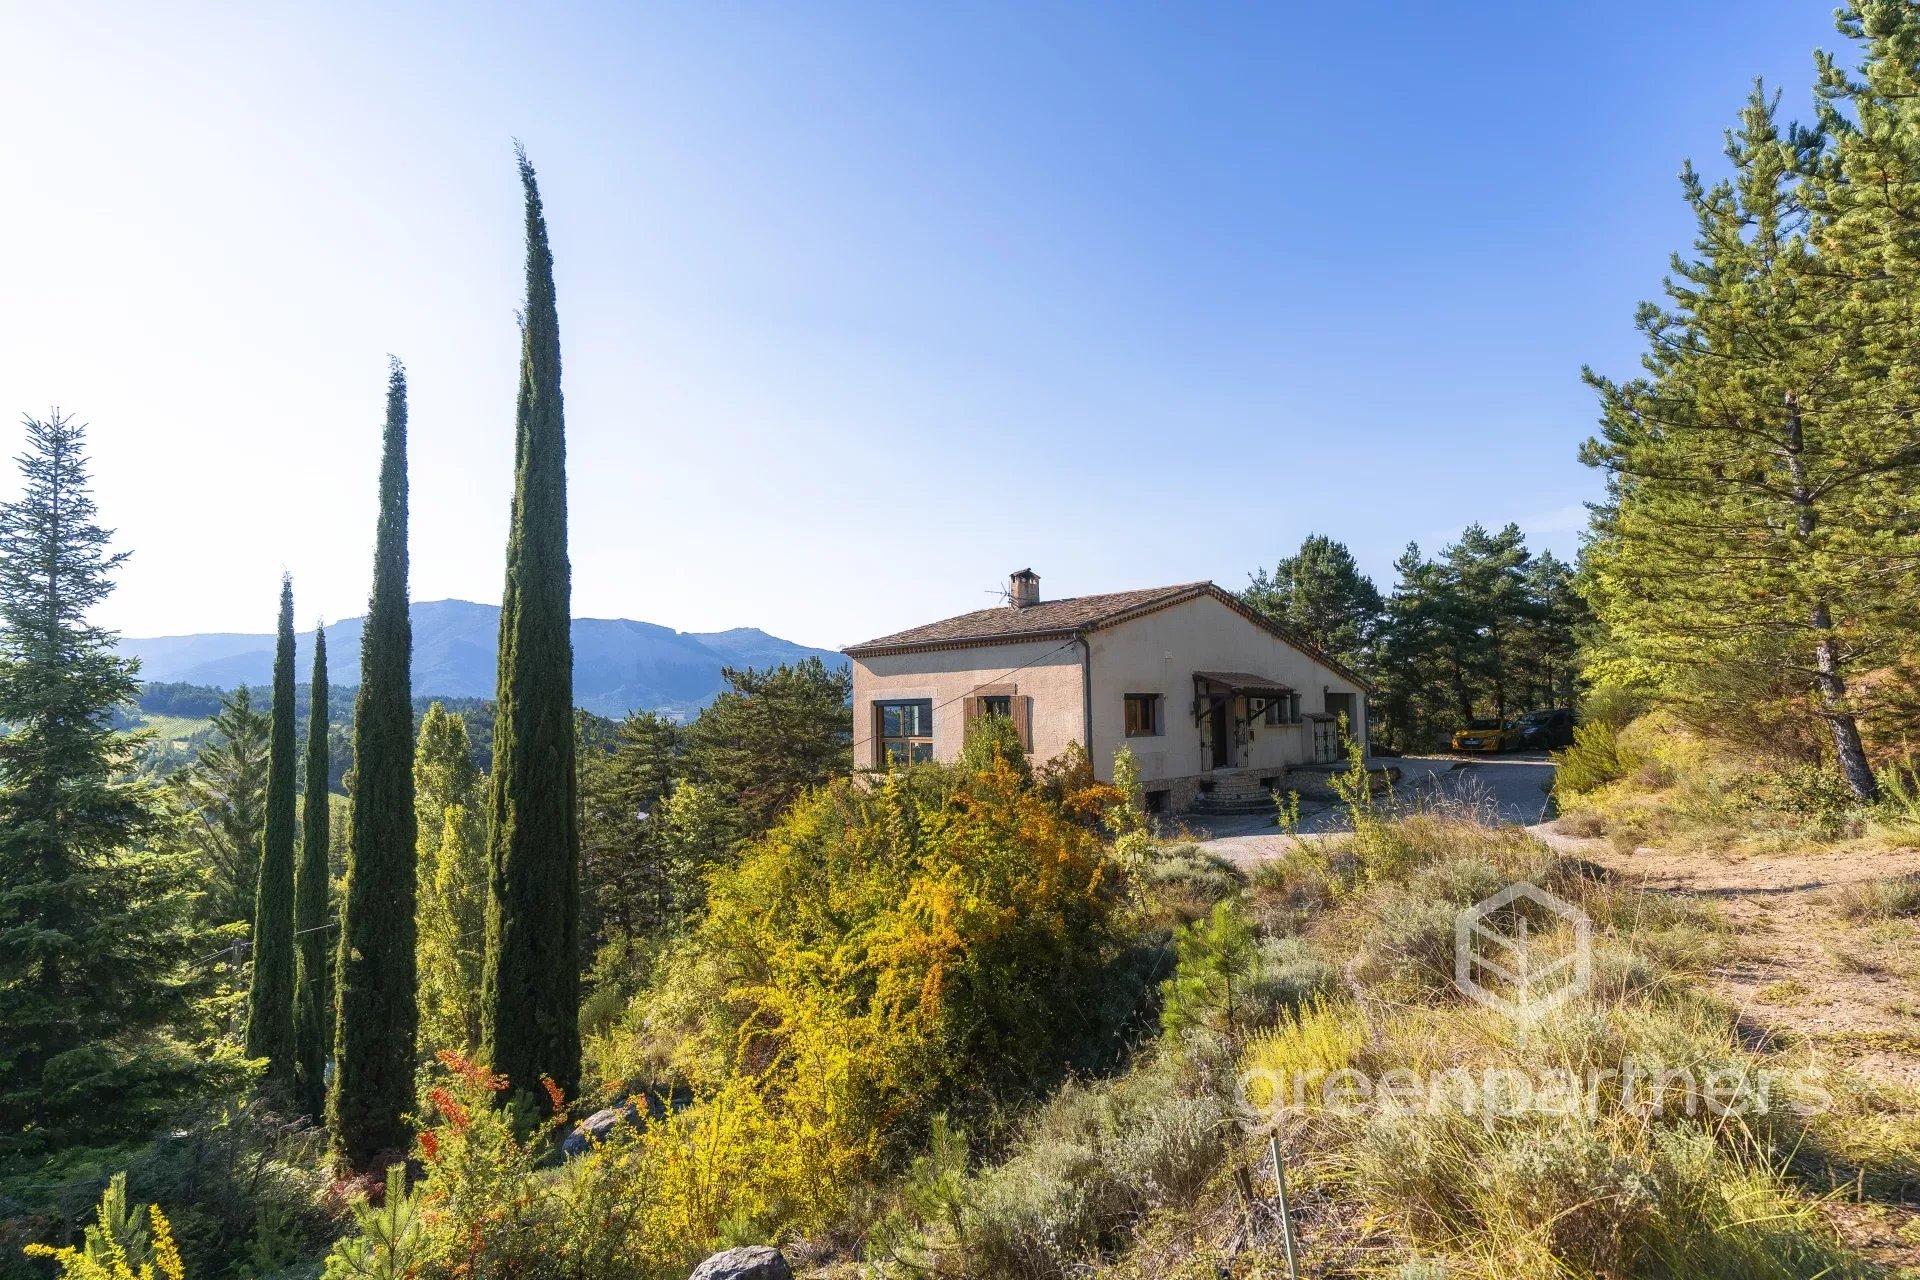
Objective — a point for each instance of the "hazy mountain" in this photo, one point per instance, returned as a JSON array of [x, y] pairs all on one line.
[[618, 665]]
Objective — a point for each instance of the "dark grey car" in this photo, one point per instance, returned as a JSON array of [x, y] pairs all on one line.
[[1545, 730]]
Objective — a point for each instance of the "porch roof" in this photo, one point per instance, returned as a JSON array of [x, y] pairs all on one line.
[[1244, 683]]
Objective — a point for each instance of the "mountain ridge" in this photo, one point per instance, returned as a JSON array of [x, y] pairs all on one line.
[[619, 664]]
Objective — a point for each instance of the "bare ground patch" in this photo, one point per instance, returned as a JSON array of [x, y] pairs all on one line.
[[1808, 968]]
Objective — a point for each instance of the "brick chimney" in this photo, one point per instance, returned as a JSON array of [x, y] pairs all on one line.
[[1023, 588]]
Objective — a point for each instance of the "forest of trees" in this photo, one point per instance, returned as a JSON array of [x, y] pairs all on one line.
[[1487, 629]]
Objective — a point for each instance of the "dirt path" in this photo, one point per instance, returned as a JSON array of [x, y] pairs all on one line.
[[1801, 968]]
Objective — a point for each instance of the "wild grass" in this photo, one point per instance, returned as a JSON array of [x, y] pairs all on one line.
[[1609, 1179], [1888, 898], [1656, 782]]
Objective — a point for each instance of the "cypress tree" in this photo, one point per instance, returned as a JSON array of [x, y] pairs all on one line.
[[310, 970], [375, 1010], [531, 986], [270, 1001]]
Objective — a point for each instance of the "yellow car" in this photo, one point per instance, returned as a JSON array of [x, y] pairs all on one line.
[[1486, 734]]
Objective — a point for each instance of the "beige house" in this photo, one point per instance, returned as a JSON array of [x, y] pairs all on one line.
[[1216, 703]]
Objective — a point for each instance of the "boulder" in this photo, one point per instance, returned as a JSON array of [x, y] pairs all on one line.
[[597, 1126], [753, 1262]]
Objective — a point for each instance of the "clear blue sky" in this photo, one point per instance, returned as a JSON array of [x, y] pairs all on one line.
[[862, 305]]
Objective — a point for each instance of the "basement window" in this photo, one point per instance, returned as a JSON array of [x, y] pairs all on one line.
[[1143, 715], [905, 731]]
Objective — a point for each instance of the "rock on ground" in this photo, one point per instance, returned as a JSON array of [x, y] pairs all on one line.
[[753, 1262]]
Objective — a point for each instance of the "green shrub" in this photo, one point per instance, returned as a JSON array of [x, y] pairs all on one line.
[[1900, 792], [1811, 794], [1093, 1161], [1188, 880], [220, 1171], [1284, 975], [1408, 944], [1591, 762]]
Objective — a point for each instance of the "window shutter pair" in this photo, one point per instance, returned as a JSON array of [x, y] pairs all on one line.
[[1019, 708]]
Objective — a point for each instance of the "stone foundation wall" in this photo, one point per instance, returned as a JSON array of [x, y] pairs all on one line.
[[1312, 784]]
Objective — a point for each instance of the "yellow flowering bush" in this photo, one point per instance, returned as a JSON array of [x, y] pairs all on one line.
[[884, 954]]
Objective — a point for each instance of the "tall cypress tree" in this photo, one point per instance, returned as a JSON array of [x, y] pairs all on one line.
[[270, 1001], [310, 969], [376, 1011], [531, 988]]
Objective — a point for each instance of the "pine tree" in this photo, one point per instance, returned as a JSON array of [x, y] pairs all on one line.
[[770, 737], [449, 796], [95, 929], [1759, 527], [376, 1012], [1485, 596], [270, 1000], [531, 999], [222, 796], [629, 883], [312, 973], [1320, 595]]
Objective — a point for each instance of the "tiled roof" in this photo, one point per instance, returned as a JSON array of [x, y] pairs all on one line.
[[1035, 622], [1243, 681]]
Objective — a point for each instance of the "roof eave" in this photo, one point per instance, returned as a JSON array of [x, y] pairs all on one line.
[[872, 649]]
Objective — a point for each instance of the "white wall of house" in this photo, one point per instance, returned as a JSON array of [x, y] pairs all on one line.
[[1047, 671], [1159, 653], [1154, 654]]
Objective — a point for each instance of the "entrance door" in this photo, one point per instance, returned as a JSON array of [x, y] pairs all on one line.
[[1222, 735]]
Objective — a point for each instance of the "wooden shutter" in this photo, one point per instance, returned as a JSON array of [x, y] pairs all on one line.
[[969, 711], [879, 748], [1022, 709]]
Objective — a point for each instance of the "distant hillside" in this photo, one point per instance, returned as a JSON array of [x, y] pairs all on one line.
[[618, 665]]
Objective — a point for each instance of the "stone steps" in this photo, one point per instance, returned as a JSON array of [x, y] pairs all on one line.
[[1207, 806], [1234, 794]]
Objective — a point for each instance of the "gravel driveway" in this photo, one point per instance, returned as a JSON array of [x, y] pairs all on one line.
[[1512, 788]]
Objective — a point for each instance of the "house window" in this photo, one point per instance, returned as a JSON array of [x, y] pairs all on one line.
[[997, 705], [1284, 709], [905, 731], [1143, 715]]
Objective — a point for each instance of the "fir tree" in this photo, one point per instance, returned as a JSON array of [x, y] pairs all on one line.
[[312, 986], [270, 1000], [531, 999], [376, 1011], [95, 930]]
